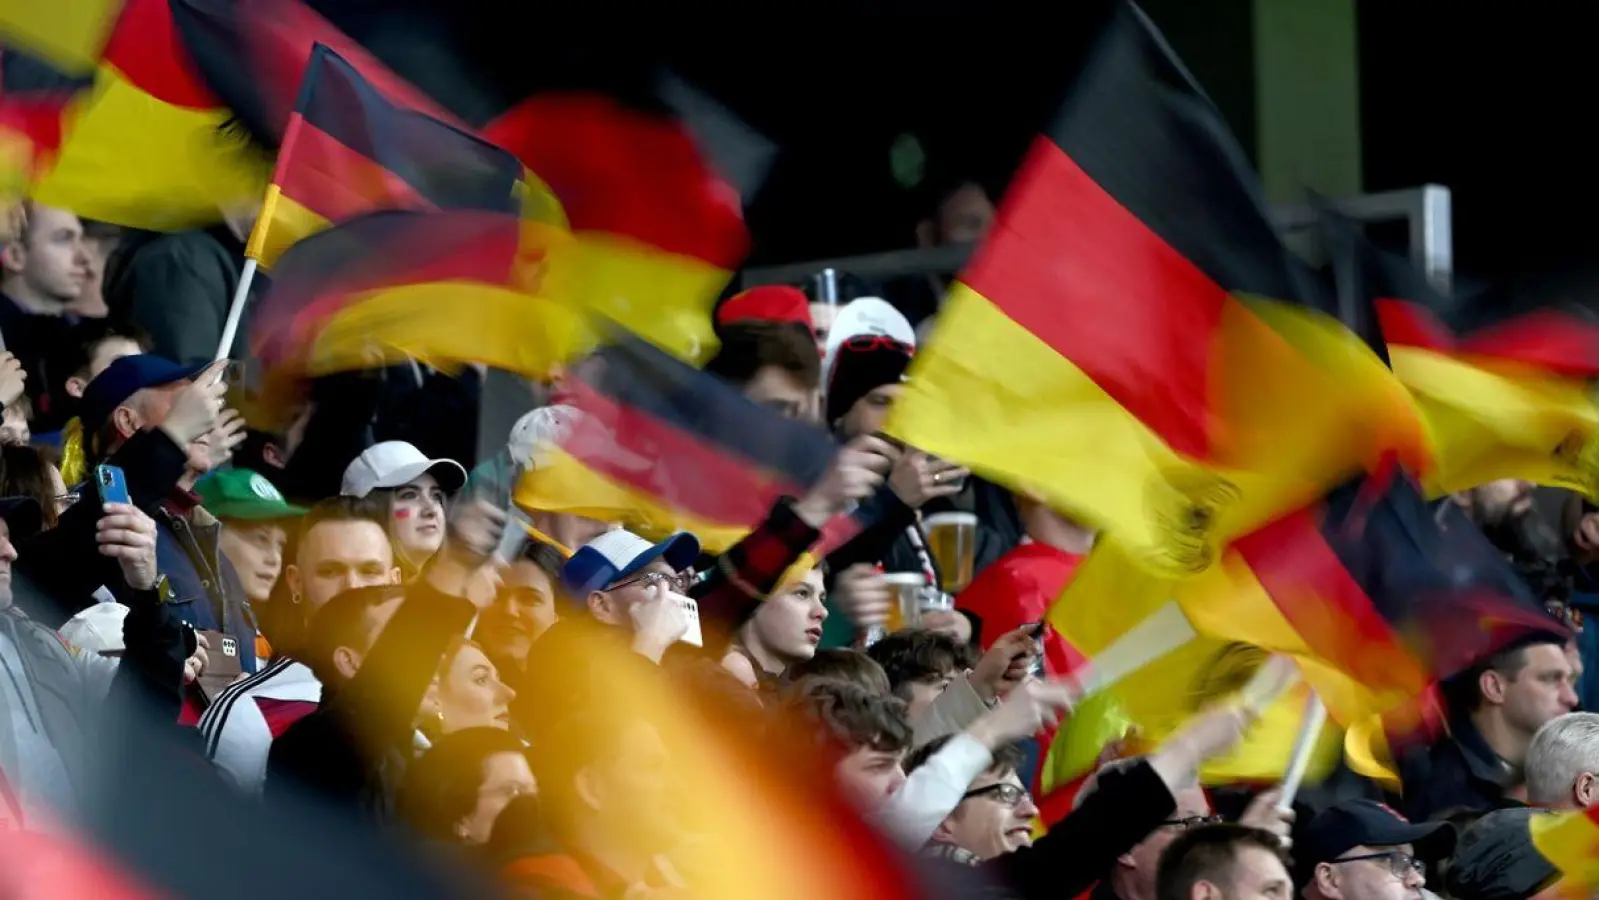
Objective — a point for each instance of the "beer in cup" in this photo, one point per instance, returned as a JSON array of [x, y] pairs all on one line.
[[952, 540], [906, 611]]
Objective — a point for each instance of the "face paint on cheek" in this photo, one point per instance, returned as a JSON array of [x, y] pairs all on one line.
[[402, 513]]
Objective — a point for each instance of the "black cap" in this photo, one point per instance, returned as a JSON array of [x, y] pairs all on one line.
[[1366, 823], [23, 517]]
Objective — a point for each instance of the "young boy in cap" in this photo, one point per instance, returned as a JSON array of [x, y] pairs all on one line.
[[255, 520]]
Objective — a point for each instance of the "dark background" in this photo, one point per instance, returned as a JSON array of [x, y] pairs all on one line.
[[1493, 100]]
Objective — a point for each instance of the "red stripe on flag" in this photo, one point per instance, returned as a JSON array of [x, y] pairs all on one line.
[[625, 172], [1412, 325], [335, 182], [1073, 266], [1325, 605], [1548, 339], [145, 47], [669, 465]]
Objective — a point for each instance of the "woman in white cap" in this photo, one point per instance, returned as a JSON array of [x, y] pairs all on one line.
[[416, 488]]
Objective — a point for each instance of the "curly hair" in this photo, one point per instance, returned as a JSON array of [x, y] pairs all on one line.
[[848, 717]]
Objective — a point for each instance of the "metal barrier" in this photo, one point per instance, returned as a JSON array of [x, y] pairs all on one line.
[[1427, 210]]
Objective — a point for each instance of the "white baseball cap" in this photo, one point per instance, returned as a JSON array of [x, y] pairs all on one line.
[[864, 317], [395, 463], [97, 629], [536, 432]]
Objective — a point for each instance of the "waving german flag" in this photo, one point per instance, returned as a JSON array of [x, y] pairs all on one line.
[[1134, 341], [348, 151], [1570, 841], [1504, 392], [146, 143], [665, 447], [443, 287], [657, 231]]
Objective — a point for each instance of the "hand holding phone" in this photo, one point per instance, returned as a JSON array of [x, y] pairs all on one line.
[[112, 484]]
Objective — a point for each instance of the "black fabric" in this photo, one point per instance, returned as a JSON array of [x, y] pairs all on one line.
[[178, 287], [1496, 859]]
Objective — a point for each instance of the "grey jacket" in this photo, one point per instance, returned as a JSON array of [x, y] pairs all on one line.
[[54, 702]]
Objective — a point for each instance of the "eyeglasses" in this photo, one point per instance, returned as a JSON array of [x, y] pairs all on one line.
[[1400, 864], [876, 342], [1007, 794], [677, 582], [1188, 822]]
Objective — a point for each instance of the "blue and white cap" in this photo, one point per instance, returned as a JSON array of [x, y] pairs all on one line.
[[618, 555]]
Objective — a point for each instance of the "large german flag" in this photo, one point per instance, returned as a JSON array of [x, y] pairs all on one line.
[[658, 232], [1506, 396], [148, 145], [1366, 588], [1134, 341], [664, 447], [442, 287], [348, 151]]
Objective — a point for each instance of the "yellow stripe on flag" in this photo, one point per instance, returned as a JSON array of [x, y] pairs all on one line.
[[443, 324], [130, 159], [282, 223], [1300, 404], [1570, 841], [564, 484], [623, 280], [69, 34], [1485, 423]]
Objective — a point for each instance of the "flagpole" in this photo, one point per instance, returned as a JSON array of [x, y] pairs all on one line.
[[230, 329], [1309, 735]]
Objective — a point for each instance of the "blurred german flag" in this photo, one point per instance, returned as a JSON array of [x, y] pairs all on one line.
[[1134, 341], [347, 150], [142, 141], [1570, 841], [663, 447], [445, 288], [1504, 390]]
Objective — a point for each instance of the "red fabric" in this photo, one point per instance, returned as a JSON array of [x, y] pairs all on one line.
[[767, 303], [280, 714], [193, 708], [1018, 589]]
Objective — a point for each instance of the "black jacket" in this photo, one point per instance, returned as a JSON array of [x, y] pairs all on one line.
[[351, 752]]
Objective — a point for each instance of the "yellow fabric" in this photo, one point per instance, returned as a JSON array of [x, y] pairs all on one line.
[[68, 34], [1486, 422], [1367, 753], [443, 324], [1304, 402], [1570, 841], [282, 223], [74, 464], [664, 298], [564, 485], [130, 159]]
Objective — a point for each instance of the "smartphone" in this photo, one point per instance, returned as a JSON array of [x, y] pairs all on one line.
[[113, 486]]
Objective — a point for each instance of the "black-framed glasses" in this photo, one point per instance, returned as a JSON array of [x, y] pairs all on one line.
[[1007, 794], [1400, 864], [676, 582], [1188, 822]]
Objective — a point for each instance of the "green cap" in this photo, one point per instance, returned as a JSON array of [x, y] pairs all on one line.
[[242, 494]]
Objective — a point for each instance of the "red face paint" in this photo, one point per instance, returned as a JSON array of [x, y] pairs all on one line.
[[402, 513]]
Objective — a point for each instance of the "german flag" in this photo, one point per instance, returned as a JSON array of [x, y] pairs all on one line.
[[1377, 599], [1570, 841], [349, 151], [657, 232], [1134, 340], [1506, 396], [664, 447], [148, 145], [445, 288]]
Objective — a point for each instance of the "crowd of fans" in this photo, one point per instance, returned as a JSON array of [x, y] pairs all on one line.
[[329, 605]]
